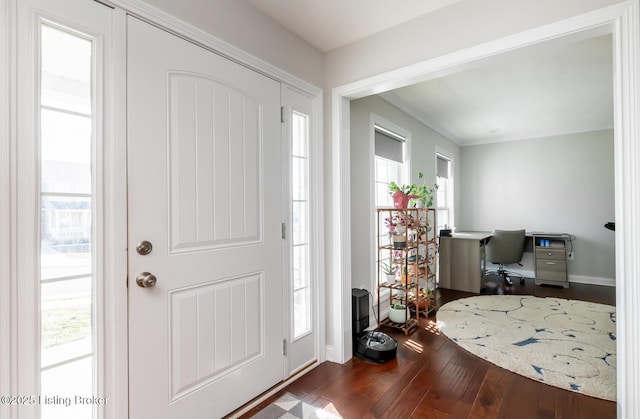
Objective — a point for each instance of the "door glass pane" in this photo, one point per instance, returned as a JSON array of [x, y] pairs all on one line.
[[66, 318], [66, 225], [299, 180], [300, 216], [300, 267], [302, 315], [301, 284], [66, 153], [63, 387], [65, 248]]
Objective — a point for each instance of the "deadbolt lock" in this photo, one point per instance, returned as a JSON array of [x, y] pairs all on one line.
[[144, 247]]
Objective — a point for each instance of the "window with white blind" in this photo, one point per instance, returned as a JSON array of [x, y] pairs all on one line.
[[390, 163], [444, 196]]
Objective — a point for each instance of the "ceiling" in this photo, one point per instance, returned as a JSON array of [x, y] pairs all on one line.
[[558, 87], [330, 24], [553, 88]]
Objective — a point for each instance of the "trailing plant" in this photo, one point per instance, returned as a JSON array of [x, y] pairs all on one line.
[[424, 192]]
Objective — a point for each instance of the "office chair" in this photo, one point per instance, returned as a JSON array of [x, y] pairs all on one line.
[[506, 246]]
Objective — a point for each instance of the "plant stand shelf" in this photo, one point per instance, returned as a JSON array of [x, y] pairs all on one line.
[[407, 328], [409, 245]]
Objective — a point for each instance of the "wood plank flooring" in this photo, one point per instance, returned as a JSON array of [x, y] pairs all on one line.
[[432, 377]]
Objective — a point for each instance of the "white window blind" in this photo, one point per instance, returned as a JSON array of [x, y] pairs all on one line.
[[388, 146], [442, 167]]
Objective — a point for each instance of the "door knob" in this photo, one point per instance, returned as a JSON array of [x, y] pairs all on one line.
[[144, 248], [146, 280]]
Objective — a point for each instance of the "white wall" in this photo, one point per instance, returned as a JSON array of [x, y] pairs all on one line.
[[423, 159], [559, 184], [239, 24]]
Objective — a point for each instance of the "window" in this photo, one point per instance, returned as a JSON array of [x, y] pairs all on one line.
[[300, 221], [444, 196], [67, 267], [389, 162]]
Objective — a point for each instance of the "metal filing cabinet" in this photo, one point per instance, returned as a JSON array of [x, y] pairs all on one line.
[[551, 260]]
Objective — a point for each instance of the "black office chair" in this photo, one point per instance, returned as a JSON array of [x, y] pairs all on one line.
[[506, 246]]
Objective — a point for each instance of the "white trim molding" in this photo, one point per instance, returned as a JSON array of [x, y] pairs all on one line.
[[342, 346], [7, 202], [627, 205], [623, 21], [115, 366]]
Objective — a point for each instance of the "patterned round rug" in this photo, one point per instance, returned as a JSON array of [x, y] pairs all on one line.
[[565, 343]]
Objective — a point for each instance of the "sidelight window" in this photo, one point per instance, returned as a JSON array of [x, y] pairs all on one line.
[[300, 221], [67, 267]]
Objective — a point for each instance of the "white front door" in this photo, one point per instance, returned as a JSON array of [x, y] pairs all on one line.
[[205, 189]]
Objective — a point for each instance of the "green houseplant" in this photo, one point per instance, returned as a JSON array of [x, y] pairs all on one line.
[[421, 193], [389, 270], [424, 192]]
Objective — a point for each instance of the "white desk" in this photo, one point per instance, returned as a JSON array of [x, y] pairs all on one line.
[[463, 260]]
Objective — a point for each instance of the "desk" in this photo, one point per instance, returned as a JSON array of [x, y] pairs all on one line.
[[463, 260]]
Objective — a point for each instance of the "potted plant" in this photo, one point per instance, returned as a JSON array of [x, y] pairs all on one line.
[[389, 270], [423, 193], [396, 227], [401, 194], [406, 277], [398, 313]]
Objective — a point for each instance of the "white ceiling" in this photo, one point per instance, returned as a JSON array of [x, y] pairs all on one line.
[[329, 24], [557, 87]]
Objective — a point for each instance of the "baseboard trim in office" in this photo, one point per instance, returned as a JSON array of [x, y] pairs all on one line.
[[592, 280], [578, 279]]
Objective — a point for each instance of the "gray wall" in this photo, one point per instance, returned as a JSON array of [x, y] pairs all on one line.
[[558, 184], [423, 159]]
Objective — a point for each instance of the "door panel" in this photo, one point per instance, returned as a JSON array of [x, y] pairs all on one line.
[[205, 188], [214, 152], [302, 287], [202, 351]]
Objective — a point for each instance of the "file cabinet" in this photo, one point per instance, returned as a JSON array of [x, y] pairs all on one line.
[[551, 260]]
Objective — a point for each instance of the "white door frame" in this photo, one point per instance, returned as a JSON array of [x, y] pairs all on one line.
[[115, 370], [623, 20], [7, 202]]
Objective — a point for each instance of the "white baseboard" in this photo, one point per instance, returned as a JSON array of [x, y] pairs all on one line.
[[592, 280], [330, 353], [579, 279]]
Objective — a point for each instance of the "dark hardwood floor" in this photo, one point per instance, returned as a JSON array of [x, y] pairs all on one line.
[[432, 377]]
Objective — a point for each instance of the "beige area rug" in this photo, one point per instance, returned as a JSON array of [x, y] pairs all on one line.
[[565, 343], [289, 406]]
